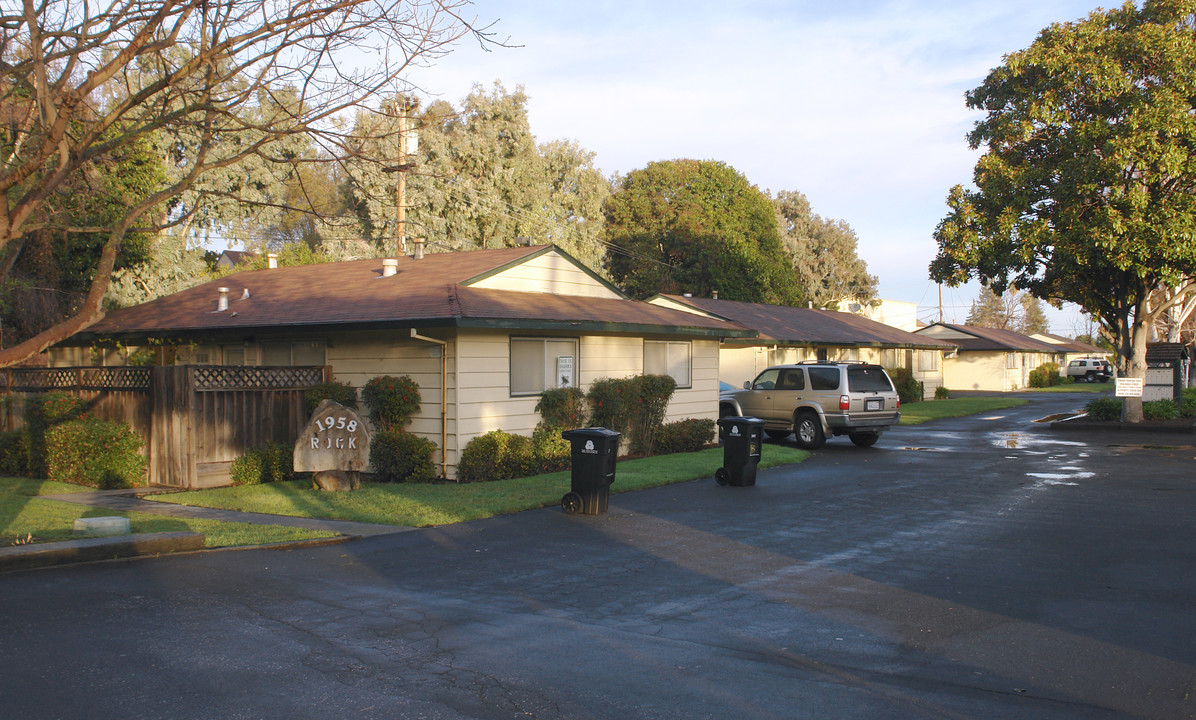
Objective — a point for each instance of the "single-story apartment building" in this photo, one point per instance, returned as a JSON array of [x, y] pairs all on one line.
[[795, 334], [483, 333], [990, 358]]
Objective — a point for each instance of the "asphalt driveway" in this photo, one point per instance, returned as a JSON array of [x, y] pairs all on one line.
[[978, 568]]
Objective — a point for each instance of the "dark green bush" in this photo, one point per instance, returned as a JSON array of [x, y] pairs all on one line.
[[392, 400], [552, 452], [272, 462], [610, 400], [942, 393], [563, 407], [687, 435], [497, 455], [1103, 408], [1160, 410], [1189, 402], [634, 407], [909, 390], [44, 412], [343, 393], [1045, 375], [402, 456], [14, 452], [93, 452]]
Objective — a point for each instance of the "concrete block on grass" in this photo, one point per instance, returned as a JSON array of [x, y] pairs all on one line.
[[102, 526]]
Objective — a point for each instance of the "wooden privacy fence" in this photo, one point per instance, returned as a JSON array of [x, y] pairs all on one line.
[[194, 419]]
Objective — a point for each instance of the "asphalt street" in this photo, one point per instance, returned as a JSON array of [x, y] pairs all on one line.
[[986, 567]]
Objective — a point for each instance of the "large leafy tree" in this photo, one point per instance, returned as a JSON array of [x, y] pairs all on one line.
[[697, 226], [822, 253], [210, 83], [477, 178], [1085, 191]]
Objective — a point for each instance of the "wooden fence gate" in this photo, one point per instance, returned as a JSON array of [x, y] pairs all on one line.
[[194, 420]]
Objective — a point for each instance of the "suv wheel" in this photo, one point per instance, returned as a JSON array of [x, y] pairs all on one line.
[[1090, 377], [809, 431], [864, 439]]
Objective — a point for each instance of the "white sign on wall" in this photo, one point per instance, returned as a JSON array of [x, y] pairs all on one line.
[[564, 371], [1129, 387]]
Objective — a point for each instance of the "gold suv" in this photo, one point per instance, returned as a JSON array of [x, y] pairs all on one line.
[[818, 400]]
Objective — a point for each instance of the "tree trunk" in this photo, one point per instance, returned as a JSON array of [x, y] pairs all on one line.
[[1136, 335]]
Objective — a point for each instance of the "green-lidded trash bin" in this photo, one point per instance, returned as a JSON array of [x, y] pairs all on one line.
[[594, 453], [741, 450]]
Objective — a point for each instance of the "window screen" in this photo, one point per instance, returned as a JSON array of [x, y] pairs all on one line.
[[539, 364], [668, 358]]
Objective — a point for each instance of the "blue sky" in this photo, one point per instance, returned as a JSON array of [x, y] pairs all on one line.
[[858, 105]]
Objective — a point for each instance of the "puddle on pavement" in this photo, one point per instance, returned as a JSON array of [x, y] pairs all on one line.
[[1027, 441]]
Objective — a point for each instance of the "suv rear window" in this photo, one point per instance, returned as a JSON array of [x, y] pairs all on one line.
[[868, 379], [824, 378]]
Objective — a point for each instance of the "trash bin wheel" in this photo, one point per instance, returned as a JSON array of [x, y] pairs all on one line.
[[721, 476], [571, 503]]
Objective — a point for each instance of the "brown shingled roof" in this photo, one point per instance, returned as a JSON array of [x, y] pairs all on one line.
[[428, 291], [805, 326], [989, 339]]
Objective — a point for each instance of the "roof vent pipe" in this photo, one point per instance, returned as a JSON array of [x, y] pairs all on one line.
[[222, 299], [418, 244], [390, 266], [272, 260]]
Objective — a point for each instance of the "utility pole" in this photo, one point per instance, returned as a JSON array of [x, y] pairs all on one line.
[[407, 145]]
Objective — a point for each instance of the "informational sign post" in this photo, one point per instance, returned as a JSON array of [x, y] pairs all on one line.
[[1128, 387]]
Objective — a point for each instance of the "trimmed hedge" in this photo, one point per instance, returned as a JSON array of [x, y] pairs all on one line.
[[343, 393], [44, 412], [392, 400], [563, 407], [402, 457], [634, 407], [272, 462], [497, 455], [689, 435], [942, 393], [93, 452], [1045, 375]]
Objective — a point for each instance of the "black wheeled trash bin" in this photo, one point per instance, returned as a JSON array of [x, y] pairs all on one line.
[[741, 450], [594, 453]]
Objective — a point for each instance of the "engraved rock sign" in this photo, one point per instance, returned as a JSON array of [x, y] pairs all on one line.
[[334, 439]]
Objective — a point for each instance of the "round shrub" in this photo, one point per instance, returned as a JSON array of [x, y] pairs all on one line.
[[563, 407], [942, 393], [342, 393], [401, 456], [1104, 408], [272, 462], [1189, 402], [552, 452], [1045, 375], [93, 452], [392, 400], [497, 455]]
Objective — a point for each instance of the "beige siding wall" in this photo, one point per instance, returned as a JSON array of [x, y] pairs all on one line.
[[981, 371], [548, 273]]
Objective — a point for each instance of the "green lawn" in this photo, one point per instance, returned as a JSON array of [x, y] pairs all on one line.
[[426, 504], [927, 410], [1093, 388], [25, 517]]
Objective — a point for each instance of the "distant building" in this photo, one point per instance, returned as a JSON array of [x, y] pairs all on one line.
[[894, 313], [233, 258]]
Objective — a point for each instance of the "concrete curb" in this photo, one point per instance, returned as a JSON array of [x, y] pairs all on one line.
[[1120, 427], [25, 557]]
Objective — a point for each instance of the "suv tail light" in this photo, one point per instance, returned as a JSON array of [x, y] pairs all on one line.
[[898, 403], [844, 402]]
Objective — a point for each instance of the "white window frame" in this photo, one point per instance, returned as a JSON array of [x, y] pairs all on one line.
[[548, 363], [289, 346], [1011, 361], [928, 360], [672, 348]]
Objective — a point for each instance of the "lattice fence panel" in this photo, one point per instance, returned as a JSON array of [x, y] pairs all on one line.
[[210, 378]]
